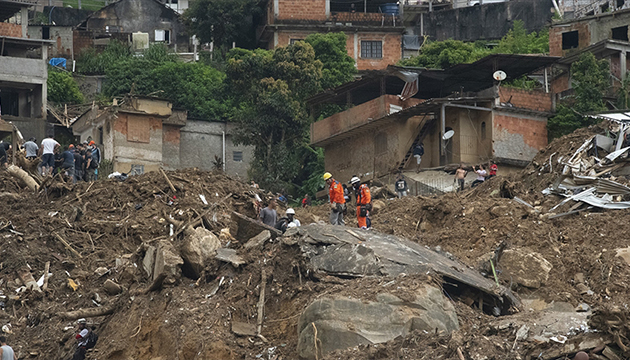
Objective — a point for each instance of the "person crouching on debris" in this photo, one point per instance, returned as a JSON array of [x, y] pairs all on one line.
[[364, 203], [481, 176], [401, 186], [493, 170], [337, 202], [82, 337], [293, 222]]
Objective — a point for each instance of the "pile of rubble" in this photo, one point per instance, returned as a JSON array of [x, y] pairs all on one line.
[[174, 265]]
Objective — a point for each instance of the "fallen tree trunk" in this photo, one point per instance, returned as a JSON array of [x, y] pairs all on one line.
[[24, 176], [84, 313]]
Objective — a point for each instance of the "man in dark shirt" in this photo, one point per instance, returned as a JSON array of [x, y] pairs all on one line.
[[68, 162], [78, 165], [89, 170], [4, 159]]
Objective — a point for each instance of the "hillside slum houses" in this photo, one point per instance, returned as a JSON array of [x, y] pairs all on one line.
[[388, 113]]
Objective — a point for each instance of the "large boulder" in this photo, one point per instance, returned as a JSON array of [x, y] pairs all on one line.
[[167, 261], [200, 245], [342, 323], [525, 267]]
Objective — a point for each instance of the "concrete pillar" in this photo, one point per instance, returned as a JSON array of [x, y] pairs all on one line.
[[442, 131], [276, 7], [24, 16], [275, 39], [327, 9], [45, 52], [623, 64]]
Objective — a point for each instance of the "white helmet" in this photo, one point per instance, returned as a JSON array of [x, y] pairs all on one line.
[[355, 180], [290, 211]]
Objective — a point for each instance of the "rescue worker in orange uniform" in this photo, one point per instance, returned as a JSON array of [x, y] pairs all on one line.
[[364, 202], [337, 202]]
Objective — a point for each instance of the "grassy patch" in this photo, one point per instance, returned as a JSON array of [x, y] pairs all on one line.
[[85, 4]]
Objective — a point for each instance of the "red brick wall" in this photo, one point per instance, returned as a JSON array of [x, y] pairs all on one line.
[[391, 47], [560, 84], [171, 134], [12, 30], [509, 129], [391, 50], [301, 9], [526, 99], [555, 37], [82, 40]]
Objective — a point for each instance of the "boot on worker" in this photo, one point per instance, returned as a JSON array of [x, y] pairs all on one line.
[[337, 202], [364, 202]]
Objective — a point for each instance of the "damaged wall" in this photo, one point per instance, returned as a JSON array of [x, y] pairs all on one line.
[[62, 37], [137, 141], [518, 136]]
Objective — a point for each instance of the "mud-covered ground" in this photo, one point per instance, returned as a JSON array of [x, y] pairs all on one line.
[[110, 224]]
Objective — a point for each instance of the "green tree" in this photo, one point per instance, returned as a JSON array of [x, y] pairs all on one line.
[[444, 54], [62, 88], [270, 87], [91, 62], [518, 41], [224, 22], [591, 79], [338, 67]]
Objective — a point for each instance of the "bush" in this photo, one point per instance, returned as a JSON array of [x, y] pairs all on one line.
[[62, 88]]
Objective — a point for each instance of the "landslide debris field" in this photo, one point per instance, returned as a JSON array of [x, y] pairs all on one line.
[[161, 272]]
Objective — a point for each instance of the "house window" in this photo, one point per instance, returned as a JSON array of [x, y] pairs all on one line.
[[570, 40], [138, 129], [604, 8], [45, 32], [237, 156], [483, 130], [372, 49], [620, 3], [620, 33], [112, 29], [136, 169], [293, 41], [163, 36]]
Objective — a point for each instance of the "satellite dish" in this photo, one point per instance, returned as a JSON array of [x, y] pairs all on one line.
[[499, 75], [447, 135]]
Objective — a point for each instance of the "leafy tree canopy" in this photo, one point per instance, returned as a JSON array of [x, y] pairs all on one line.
[[62, 88], [330, 49], [591, 79], [224, 21], [444, 54]]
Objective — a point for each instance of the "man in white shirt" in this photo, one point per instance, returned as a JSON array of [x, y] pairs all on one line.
[[49, 145], [6, 352], [481, 176], [82, 338]]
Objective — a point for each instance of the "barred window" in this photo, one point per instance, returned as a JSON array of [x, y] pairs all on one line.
[[237, 156], [372, 49], [293, 41]]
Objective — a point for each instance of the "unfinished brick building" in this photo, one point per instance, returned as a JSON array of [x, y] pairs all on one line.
[[373, 27]]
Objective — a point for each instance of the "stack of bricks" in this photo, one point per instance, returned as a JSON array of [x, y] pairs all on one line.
[[10, 30], [526, 99]]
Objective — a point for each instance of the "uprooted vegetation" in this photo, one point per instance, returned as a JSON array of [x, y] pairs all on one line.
[[176, 275]]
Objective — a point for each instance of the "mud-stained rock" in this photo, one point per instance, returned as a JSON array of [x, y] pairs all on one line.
[[167, 261], [526, 267], [200, 245], [342, 323]]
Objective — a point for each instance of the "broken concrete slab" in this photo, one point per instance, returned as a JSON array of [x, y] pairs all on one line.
[[525, 267], [244, 228], [167, 261], [200, 245], [148, 262], [341, 323], [382, 254], [229, 256], [624, 253], [112, 288], [243, 329], [258, 240]]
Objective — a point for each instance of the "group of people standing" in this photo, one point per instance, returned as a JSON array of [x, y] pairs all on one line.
[[482, 175], [338, 201], [80, 162]]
